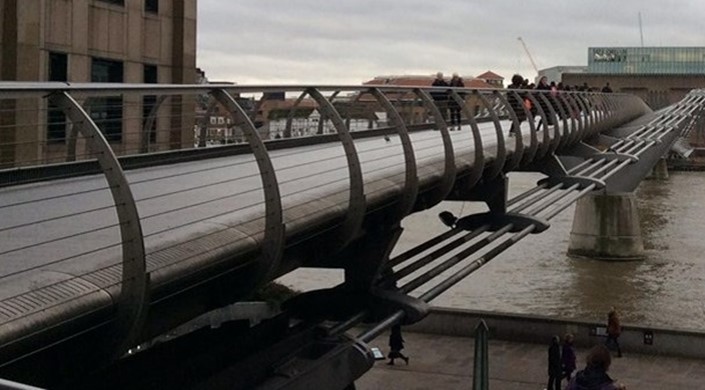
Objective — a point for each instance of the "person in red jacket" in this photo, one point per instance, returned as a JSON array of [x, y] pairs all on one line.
[[614, 329]]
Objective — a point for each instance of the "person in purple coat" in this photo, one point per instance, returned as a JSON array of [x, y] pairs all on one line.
[[594, 375], [568, 356]]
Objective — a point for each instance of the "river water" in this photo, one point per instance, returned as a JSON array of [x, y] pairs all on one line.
[[535, 276]]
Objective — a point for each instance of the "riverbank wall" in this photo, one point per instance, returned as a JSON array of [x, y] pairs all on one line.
[[538, 329]]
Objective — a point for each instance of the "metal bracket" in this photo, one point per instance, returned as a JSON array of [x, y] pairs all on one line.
[[340, 303]]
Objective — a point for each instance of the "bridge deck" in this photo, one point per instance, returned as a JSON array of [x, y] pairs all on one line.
[[194, 215]]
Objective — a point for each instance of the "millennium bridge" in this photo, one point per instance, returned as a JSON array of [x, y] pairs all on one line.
[[118, 224]]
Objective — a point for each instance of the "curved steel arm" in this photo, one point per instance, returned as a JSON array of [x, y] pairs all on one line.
[[149, 122], [478, 165], [519, 136], [132, 304], [574, 113], [411, 180], [550, 143], [273, 242], [534, 142], [290, 117], [356, 203], [501, 155], [449, 170], [565, 115]]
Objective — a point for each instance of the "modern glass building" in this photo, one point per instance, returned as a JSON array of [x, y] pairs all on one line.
[[646, 60]]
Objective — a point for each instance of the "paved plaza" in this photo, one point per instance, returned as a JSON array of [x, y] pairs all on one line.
[[445, 362]]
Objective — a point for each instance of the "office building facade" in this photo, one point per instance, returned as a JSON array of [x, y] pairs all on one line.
[[116, 41], [659, 75]]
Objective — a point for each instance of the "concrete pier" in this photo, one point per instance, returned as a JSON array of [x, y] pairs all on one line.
[[659, 171], [606, 227]]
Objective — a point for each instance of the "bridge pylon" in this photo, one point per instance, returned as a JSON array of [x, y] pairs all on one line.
[[606, 227]]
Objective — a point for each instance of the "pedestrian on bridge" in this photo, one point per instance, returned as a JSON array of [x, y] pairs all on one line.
[[396, 344], [457, 82], [440, 97], [516, 101], [546, 88]]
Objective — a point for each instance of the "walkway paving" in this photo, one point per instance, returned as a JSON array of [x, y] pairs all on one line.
[[445, 362]]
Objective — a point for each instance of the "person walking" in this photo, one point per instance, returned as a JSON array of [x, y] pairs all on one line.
[[546, 88], [568, 356], [614, 329], [396, 344], [457, 82], [440, 97], [594, 375], [554, 364], [516, 101]]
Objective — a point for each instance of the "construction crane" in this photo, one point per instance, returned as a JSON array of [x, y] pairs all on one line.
[[526, 49]]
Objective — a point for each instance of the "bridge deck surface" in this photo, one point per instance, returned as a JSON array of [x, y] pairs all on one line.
[[446, 362]]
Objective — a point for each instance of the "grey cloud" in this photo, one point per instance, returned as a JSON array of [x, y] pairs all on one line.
[[349, 41]]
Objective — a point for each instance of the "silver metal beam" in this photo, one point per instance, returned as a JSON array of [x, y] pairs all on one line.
[[273, 242], [132, 304]]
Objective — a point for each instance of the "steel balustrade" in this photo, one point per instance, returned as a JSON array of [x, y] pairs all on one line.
[[574, 117]]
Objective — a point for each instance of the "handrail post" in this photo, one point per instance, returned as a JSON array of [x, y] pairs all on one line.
[[481, 371]]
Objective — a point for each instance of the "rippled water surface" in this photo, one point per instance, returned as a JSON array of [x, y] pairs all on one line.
[[536, 276]]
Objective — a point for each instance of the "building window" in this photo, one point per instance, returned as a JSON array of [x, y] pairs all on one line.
[[116, 2], [151, 6], [149, 74], [56, 119], [106, 112]]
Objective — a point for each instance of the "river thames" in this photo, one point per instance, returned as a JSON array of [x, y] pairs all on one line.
[[535, 276]]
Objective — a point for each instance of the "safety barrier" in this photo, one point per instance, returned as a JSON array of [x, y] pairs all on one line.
[[82, 236]]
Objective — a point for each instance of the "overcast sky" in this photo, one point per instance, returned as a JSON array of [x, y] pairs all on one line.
[[351, 41]]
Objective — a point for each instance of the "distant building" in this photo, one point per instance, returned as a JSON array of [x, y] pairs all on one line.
[[117, 41], [659, 75], [646, 60], [491, 78], [555, 74]]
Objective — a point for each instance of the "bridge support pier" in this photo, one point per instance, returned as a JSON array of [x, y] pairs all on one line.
[[659, 171], [606, 227]]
